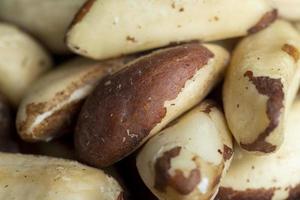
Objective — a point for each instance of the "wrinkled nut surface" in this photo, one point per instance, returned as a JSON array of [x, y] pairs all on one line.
[[288, 9], [188, 159], [22, 60], [272, 177], [47, 20], [6, 124], [52, 104], [109, 28], [26, 177], [260, 86], [132, 105]]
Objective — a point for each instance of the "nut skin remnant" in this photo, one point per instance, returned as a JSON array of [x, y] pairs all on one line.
[[264, 22], [250, 194], [126, 106]]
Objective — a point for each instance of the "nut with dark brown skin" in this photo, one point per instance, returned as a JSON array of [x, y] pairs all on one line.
[[272, 177], [187, 160], [134, 104], [260, 86]]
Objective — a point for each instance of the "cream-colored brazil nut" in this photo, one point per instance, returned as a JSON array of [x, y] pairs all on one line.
[[188, 159], [132, 105], [288, 9], [260, 85], [22, 60], [109, 28], [26, 177], [52, 103], [47, 20], [272, 177]]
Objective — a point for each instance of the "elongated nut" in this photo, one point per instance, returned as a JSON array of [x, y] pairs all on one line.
[[52, 104], [6, 123], [26, 177], [260, 85], [109, 28], [47, 20], [188, 159], [272, 177], [129, 107], [22, 60], [288, 9]]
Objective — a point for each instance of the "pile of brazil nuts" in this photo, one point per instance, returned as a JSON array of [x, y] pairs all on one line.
[[149, 99]]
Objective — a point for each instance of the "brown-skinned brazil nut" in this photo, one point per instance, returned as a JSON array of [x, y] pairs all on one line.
[[132, 105]]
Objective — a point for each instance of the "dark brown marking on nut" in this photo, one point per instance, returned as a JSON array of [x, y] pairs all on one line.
[[227, 152], [181, 10], [264, 22], [123, 110], [292, 51], [178, 182], [131, 39], [249, 194], [209, 106], [294, 193], [85, 8], [273, 89]]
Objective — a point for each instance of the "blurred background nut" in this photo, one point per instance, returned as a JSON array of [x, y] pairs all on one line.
[[47, 20], [109, 28], [128, 107], [260, 86], [272, 177], [288, 9], [22, 60], [51, 105], [188, 159], [26, 177]]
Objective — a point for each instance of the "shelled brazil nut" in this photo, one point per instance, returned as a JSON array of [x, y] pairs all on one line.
[[110, 28], [260, 85], [132, 105], [22, 60], [51, 105], [189, 158], [26, 177], [272, 177], [288, 9], [47, 20]]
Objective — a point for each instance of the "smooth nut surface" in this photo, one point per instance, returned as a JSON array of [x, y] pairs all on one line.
[[109, 28], [26, 177], [260, 85], [188, 159], [134, 104], [53, 102], [272, 177], [47, 20], [288, 9], [22, 60]]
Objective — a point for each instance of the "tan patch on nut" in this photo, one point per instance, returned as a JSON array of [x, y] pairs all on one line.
[[292, 51], [133, 103], [273, 89], [178, 182], [264, 22], [249, 194]]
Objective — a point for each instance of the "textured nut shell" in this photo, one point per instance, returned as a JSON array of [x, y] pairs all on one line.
[[288, 9], [272, 177], [204, 151], [51, 105], [47, 20], [22, 60], [26, 177], [129, 107], [260, 86], [109, 28]]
